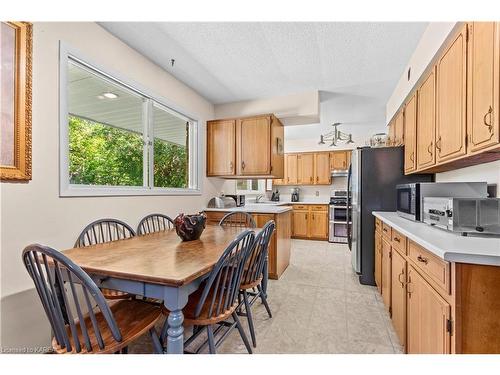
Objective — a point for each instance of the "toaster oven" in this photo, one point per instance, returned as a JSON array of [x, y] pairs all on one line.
[[463, 215]]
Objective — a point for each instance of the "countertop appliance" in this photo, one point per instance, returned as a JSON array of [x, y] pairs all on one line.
[[221, 202], [276, 196], [371, 186], [463, 215], [295, 194], [238, 198], [410, 196], [337, 229]]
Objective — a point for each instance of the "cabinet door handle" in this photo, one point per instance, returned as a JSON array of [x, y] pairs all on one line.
[[306, 216], [490, 123], [242, 165], [412, 157], [408, 284], [310, 179], [397, 239], [438, 144], [317, 178], [399, 278], [429, 148], [420, 258], [231, 165]]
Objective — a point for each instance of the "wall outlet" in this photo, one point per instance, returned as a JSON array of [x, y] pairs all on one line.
[[317, 193]]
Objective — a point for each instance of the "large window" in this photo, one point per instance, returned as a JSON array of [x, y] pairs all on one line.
[[117, 140]]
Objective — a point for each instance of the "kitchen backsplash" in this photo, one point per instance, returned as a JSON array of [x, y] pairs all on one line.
[[320, 193]]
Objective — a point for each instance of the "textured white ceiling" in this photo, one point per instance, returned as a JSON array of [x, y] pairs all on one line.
[[226, 61]]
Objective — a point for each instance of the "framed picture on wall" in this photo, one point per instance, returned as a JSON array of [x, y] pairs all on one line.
[[15, 100]]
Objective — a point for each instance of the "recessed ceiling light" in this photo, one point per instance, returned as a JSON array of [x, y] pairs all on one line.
[[107, 95]]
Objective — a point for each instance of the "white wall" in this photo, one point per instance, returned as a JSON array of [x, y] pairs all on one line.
[[428, 46], [433, 40], [34, 212]]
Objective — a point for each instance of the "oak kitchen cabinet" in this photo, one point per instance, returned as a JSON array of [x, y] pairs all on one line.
[[410, 134], [339, 159], [245, 147], [451, 80], [457, 104], [322, 173], [310, 221], [291, 175], [483, 87], [398, 133], [391, 129], [305, 169], [437, 307]]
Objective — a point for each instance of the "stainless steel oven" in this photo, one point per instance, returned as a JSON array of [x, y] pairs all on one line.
[[338, 217]]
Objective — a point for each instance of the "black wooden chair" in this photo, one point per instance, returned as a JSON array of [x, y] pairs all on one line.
[[238, 219], [254, 273], [216, 300], [81, 320], [154, 223], [101, 231]]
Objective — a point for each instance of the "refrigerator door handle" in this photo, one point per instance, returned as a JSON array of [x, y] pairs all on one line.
[[349, 226]]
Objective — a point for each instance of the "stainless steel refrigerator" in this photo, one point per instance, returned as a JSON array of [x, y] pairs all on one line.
[[371, 184]]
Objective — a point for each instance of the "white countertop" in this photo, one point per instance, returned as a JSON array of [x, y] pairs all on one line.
[[258, 208], [446, 245]]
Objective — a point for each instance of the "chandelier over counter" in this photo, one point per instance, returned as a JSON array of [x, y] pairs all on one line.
[[335, 137]]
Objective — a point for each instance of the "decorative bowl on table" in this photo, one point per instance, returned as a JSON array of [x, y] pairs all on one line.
[[190, 227]]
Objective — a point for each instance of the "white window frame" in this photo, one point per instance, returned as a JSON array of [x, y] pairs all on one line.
[[66, 189], [262, 187]]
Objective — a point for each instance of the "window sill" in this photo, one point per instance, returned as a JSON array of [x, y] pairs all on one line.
[[74, 191]]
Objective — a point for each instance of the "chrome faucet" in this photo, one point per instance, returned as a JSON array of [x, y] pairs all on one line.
[[258, 198]]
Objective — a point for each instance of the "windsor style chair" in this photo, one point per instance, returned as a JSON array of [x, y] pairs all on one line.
[[154, 223], [101, 231], [81, 320], [216, 299], [238, 219]]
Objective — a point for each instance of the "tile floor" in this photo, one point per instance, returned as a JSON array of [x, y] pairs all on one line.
[[318, 306]]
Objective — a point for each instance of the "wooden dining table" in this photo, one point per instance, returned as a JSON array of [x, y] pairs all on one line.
[[157, 265]]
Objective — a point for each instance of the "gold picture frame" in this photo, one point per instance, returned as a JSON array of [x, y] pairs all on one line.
[[16, 40]]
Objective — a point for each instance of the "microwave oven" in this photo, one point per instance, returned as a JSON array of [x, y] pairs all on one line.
[[410, 197]]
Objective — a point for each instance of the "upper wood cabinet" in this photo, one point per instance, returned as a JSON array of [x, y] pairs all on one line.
[[483, 86], [253, 146], [398, 132], [426, 122], [410, 134], [428, 314], [291, 169], [305, 169], [221, 161], [451, 84], [245, 147], [392, 136], [322, 174], [338, 159]]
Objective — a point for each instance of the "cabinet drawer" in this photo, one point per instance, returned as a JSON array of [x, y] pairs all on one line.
[[386, 231], [437, 269], [300, 207], [399, 241], [319, 207], [378, 225]]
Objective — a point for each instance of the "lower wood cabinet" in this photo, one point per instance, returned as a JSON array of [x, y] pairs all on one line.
[[378, 260], [386, 273], [310, 221], [436, 307], [398, 295], [428, 317]]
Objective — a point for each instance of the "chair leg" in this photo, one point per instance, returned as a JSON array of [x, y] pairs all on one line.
[[164, 333], [264, 301], [242, 332], [211, 341], [248, 310], [157, 346]]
